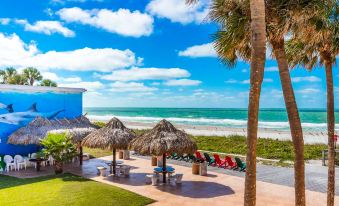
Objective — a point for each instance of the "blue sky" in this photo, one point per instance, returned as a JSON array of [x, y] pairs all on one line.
[[138, 53]]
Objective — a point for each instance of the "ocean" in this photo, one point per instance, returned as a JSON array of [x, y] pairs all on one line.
[[276, 119]]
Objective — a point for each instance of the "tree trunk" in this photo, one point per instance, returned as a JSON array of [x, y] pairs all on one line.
[[58, 167], [258, 53], [330, 131], [294, 121]]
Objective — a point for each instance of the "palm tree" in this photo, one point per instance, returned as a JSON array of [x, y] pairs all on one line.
[[17, 79], [232, 41], [257, 53], [318, 36], [48, 83], [7, 75], [32, 75]]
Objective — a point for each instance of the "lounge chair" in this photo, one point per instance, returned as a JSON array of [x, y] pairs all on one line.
[[192, 158], [230, 163], [240, 165], [199, 156], [218, 161], [209, 160]]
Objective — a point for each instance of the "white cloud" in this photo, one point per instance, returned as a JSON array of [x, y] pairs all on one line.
[[246, 81], [268, 80], [46, 27], [15, 52], [136, 74], [123, 21], [271, 69], [54, 77], [182, 82], [308, 91], [231, 81], [50, 75], [306, 79], [90, 86], [130, 87], [178, 10], [204, 50], [4, 21]]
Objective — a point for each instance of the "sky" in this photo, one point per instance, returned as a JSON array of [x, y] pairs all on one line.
[[138, 53]]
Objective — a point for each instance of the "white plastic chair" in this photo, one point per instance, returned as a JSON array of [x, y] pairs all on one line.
[[10, 164], [20, 162], [33, 156], [51, 160]]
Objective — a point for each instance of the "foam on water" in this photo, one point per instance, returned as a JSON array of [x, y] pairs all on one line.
[[207, 121]]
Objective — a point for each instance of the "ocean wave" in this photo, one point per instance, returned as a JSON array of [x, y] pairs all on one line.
[[206, 121]]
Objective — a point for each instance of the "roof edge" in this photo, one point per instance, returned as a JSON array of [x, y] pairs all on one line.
[[27, 88]]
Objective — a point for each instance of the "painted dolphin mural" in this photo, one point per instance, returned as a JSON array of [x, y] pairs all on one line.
[[22, 118], [8, 107]]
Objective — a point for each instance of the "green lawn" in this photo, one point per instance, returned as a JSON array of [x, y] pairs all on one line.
[[96, 153], [66, 189]]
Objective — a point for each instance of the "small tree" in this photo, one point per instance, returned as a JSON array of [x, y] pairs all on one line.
[[48, 83], [61, 148]]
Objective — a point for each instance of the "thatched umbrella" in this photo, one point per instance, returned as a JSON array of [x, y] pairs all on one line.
[[163, 138], [113, 136], [39, 127]]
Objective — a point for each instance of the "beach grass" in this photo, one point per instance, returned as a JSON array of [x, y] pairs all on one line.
[[266, 148], [65, 189], [96, 153], [236, 144]]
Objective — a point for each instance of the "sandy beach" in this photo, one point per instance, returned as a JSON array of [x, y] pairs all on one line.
[[203, 130]]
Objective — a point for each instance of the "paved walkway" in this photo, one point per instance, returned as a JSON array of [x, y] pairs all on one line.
[[215, 189], [316, 175]]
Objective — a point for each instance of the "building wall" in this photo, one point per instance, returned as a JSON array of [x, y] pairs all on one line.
[[49, 104]]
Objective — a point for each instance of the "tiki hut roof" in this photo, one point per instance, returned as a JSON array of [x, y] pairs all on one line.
[[113, 136], [39, 127], [163, 138]]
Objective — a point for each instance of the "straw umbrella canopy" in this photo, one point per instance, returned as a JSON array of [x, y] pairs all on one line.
[[39, 128], [163, 138], [113, 136]]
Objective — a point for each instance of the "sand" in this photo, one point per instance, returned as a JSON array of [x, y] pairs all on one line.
[[204, 130]]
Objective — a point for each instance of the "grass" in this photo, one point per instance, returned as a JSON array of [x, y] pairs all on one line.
[[235, 144], [266, 148], [96, 153], [66, 189]]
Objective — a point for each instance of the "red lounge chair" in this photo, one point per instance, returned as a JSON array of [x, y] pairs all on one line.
[[218, 161], [230, 163], [199, 156]]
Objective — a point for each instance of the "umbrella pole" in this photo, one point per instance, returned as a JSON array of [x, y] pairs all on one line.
[[114, 161], [164, 168]]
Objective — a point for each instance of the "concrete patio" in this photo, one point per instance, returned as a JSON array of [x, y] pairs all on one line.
[[216, 188]]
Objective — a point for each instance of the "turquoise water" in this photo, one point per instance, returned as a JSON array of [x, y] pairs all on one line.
[[234, 118]]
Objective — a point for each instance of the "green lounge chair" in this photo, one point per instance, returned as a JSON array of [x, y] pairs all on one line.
[[209, 159], [240, 165], [191, 158]]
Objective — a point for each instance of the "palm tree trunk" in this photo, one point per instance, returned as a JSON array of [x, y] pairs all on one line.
[[330, 131], [294, 121], [258, 42]]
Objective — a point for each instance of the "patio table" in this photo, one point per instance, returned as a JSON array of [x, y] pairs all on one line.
[[38, 162], [169, 170], [118, 162]]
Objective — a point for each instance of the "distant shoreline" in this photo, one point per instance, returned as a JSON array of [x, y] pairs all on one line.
[[206, 130]]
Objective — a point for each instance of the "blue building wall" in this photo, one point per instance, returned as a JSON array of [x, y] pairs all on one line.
[[48, 104]]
